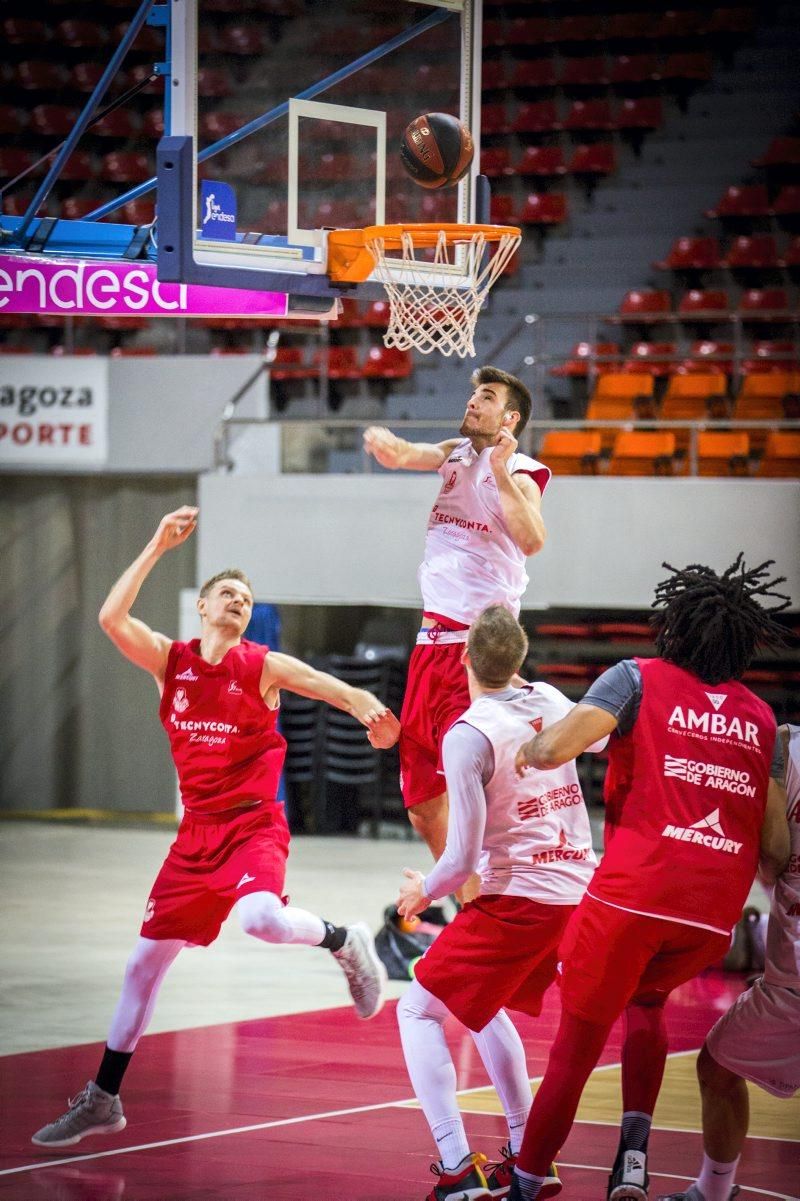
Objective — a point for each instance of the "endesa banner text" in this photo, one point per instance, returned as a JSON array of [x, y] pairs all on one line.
[[83, 287]]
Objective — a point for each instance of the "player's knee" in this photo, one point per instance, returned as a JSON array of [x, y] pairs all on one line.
[[144, 967], [713, 1077], [264, 921]]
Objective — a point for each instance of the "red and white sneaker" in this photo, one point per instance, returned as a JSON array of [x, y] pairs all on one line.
[[464, 1183], [499, 1177]]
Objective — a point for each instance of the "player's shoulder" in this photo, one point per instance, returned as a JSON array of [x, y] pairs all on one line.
[[456, 450]]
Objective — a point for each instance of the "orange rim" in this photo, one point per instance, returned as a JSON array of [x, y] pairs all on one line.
[[350, 261]]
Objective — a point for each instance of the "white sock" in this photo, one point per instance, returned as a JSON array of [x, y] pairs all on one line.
[[451, 1141], [430, 1066], [500, 1047], [716, 1179]]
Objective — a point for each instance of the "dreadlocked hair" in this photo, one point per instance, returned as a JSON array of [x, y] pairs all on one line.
[[711, 625]]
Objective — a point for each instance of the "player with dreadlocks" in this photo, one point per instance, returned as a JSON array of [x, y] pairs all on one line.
[[694, 805]]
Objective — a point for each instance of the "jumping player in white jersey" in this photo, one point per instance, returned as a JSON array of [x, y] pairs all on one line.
[[531, 843], [486, 521], [757, 1039]]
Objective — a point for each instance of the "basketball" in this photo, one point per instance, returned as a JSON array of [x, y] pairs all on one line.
[[436, 150]]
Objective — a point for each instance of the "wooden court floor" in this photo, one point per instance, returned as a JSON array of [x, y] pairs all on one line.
[[316, 1106]]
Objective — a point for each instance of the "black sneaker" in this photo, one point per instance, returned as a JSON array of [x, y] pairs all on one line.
[[629, 1181]]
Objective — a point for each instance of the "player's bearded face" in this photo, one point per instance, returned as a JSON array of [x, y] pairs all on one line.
[[484, 414]]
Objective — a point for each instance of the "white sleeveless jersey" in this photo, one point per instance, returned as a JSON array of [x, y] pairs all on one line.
[[471, 560], [782, 964], [537, 842]]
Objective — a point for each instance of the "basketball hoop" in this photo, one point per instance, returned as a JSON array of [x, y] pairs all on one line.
[[434, 301]]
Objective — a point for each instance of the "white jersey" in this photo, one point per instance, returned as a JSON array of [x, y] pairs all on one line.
[[537, 840], [782, 965], [471, 560]]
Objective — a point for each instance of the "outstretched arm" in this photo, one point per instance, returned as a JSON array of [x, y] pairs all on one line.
[[284, 671], [775, 845], [137, 642], [391, 451], [565, 739]]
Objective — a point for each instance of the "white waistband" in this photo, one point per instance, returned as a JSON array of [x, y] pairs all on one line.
[[429, 635]]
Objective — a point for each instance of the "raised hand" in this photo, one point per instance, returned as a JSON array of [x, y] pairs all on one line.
[[174, 528], [503, 449]]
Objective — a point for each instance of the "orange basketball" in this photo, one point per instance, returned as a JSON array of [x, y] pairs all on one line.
[[436, 150]]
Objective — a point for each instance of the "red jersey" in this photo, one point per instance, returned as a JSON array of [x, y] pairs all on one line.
[[223, 736], [685, 795]]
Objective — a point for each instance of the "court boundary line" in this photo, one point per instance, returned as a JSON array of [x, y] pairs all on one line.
[[409, 1103]]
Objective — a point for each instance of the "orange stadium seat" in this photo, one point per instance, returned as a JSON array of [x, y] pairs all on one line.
[[642, 453], [691, 397], [723, 453], [781, 456], [571, 452], [616, 397], [762, 394]]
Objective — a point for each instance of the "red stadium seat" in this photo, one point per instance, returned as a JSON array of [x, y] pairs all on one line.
[[387, 362], [773, 355], [531, 31], [12, 120], [24, 31], [247, 40], [677, 25], [787, 202], [704, 304], [153, 123], [120, 123], [540, 116], [634, 69], [53, 120], [752, 251], [745, 200], [782, 151], [594, 160], [79, 166], [642, 112], [590, 115], [738, 21], [81, 34], [289, 363], [587, 358], [692, 254], [14, 161], [694, 67], [148, 38], [493, 76], [494, 120], [214, 82], [630, 27], [377, 314], [645, 305], [496, 161], [541, 161], [549, 208], [709, 355], [131, 352], [138, 212], [38, 75], [342, 362], [651, 358], [76, 207], [125, 167], [584, 72], [765, 304], [502, 210], [791, 255], [534, 73], [84, 77], [579, 27]]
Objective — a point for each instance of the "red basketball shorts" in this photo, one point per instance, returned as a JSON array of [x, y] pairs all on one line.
[[498, 951], [610, 957], [436, 695], [212, 864]]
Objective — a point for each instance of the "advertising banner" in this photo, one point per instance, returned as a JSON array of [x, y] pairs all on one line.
[[92, 288], [53, 412]]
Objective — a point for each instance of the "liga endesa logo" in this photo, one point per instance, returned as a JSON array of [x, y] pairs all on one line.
[[86, 287]]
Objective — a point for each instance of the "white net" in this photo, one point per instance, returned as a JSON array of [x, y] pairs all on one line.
[[427, 310]]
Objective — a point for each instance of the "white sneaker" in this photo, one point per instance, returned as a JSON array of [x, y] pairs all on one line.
[[366, 975], [91, 1112]]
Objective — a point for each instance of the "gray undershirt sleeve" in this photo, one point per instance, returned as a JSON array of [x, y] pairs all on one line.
[[468, 761], [619, 691]]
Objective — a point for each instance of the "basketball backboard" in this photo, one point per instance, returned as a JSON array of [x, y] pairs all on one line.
[[289, 124]]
